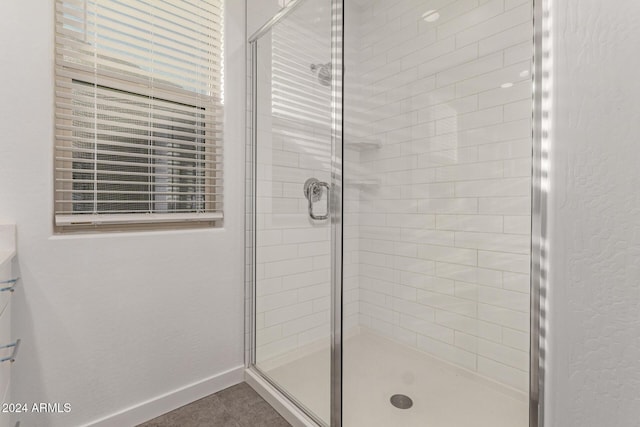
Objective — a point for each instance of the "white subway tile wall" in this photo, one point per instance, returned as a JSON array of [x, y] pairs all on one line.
[[444, 195], [294, 144], [437, 165]]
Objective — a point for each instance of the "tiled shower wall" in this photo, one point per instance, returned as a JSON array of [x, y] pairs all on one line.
[[294, 134], [294, 143], [444, 225], [437, 197]]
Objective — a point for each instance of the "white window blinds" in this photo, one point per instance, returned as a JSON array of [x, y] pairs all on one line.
[[138, 111]]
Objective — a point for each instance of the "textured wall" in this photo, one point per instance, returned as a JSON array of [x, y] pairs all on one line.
[[594, 354]]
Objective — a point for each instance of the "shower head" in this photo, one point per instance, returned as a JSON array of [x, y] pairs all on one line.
[[323, 72]]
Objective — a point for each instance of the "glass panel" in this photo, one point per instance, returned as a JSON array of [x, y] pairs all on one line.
[[437, 116], [293, 281]]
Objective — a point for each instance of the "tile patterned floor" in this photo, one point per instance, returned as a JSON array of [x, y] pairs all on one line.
[[237, 406]]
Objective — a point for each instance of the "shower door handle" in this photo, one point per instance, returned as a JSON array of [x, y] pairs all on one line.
[[313, 191]]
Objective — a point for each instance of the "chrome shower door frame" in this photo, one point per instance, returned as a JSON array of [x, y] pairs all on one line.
[[542, 74], [337, 186], [335, 212]]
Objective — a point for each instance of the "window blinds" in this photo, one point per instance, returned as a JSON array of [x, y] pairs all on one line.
[[138, 111]]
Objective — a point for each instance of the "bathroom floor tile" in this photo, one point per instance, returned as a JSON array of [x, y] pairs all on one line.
[[237, 406]]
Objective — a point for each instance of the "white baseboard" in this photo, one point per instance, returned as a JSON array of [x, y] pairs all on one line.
[[167, 402]]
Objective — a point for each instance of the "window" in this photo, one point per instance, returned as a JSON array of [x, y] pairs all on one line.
[[138, 112]]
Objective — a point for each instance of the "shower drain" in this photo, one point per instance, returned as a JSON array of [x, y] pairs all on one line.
[[401, 401]]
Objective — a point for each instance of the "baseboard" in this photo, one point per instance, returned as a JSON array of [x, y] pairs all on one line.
[[167, 402]]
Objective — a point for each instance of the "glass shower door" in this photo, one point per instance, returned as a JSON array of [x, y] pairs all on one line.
[[293, 137]]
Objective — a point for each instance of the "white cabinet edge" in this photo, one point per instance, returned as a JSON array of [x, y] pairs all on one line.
[[7, 242]]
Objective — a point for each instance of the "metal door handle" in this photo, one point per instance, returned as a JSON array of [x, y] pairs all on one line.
[[313, 190], [14, 353], [11, 283]]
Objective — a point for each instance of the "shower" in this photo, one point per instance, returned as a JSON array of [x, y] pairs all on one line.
[[389, 227], [323, 72]]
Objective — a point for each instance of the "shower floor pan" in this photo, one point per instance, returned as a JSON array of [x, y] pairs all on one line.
[[375, 369]]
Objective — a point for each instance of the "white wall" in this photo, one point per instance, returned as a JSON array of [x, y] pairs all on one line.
[[594, 291], [115, 320]]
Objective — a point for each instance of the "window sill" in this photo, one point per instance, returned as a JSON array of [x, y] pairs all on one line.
[[106, 219]]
